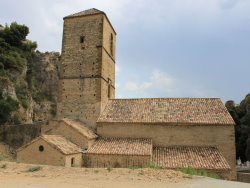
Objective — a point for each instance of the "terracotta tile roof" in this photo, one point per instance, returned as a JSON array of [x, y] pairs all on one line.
[[121, 146], [190, 156], [85, 13], [88, 12], [57, 141], [62, 144], [167, 110], [81, 128]]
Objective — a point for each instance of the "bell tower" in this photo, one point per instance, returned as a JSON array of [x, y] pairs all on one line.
[[87, 67]]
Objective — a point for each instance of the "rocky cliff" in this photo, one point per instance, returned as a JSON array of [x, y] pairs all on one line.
[[37, 103]]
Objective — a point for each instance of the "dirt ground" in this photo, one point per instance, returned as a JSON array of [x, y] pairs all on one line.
[[15, 174]]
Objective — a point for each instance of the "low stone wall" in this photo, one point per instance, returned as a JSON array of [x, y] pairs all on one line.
[[18, 135], [115, 161], [243, 177]]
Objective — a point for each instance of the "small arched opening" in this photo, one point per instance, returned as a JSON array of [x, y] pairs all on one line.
[[72, 161]]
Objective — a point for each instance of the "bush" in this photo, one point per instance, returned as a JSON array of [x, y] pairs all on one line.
[[22, 94], [34, 169], [203, 172], [15, 34], [1, 158], [7, 106], [4, 166], [16, 120], [109, 168]]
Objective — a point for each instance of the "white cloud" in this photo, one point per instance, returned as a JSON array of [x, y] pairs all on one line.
[[131, 86], [158, 81], [117, 68], [146, 85], [160, 78]]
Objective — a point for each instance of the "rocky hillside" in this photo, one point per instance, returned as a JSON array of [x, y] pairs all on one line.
[[28, 78]]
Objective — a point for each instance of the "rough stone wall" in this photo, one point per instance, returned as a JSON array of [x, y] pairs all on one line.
[[68, 132], [83, 69], [220, 136], [243, 177], [49, 156], [115, 161], [18, 135], [77, 160]]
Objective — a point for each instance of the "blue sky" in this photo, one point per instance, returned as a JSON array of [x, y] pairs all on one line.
[[165, 48]]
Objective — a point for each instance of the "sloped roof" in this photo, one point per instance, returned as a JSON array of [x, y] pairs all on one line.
[[58, 142], [91, 11], [167, 110], [198, 157], [80, 127], [121, 146]]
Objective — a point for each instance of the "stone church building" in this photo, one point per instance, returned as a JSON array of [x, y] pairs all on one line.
[[169, 132]]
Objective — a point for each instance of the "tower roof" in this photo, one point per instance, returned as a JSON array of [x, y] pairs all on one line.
[[91, 11]]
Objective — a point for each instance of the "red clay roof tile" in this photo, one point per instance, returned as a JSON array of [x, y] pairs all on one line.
[[198, 157], [122, 146], [167, 110]]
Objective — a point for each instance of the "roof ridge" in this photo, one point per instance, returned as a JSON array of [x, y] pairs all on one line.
[[89, 134], [166, 98], [57, 146], [85, 13]]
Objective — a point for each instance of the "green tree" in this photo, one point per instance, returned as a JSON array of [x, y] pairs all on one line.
[[241, 115]]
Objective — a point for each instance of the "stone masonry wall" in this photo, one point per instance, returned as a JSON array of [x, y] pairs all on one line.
[[220, 136], [50, 156], [59, 128], [77, 160], [86, 68], [115, 161]]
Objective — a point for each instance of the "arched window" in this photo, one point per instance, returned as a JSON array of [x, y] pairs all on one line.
[[109, 91], [72, 161], [82, 39], [111, 44], [109, 87]]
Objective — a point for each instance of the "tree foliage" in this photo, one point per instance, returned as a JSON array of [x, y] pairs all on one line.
[[7, 105], [15, 51], [241, 116]]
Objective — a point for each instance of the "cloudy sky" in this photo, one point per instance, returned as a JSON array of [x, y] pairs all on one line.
[[165, 48]]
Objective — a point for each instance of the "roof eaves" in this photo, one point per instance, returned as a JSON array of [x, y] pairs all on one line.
[[101, 12]]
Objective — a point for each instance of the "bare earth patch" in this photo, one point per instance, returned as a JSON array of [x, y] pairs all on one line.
[[22, 175]]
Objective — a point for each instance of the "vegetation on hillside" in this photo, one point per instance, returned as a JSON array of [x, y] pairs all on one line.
[[241, 115], [17, 64]]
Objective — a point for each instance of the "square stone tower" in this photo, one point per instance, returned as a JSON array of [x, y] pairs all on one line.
[[87, 67]]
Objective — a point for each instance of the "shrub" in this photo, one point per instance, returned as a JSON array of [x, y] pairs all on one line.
[[34, 169], [109, 168], [16, 120], [1, 158], [15, 34], [7, 106], [203, 172], [4, 166], [22, 94], [155, 166]]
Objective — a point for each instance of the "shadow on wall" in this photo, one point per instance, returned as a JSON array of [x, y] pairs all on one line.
[[17, 135]]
